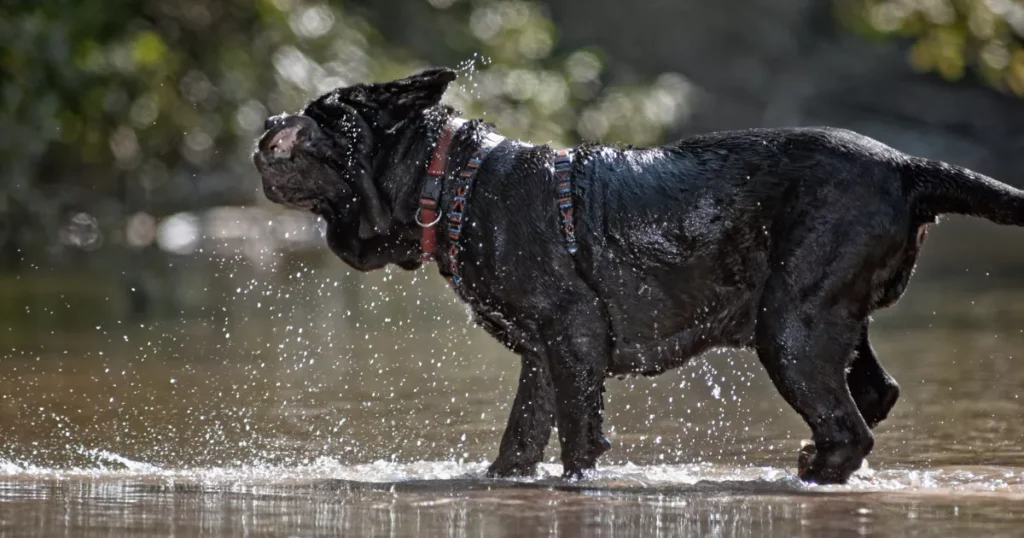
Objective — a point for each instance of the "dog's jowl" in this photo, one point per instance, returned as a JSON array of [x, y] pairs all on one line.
[[601, 261]]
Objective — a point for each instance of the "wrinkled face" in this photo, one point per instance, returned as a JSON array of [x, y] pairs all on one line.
[[304, 167], [323, 159]]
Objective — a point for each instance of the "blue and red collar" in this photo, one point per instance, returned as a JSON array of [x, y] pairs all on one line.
[[429, 215]]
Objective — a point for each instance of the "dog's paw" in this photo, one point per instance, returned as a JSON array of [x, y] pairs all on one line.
[[804, 457], [511, 469], [577, 474], [835, 466]]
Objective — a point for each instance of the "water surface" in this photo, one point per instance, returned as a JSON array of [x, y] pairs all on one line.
[[280, 407]]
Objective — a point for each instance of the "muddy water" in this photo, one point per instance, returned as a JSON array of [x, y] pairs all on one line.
[[285, 410]]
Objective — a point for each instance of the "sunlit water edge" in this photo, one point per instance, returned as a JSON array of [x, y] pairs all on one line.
[[1006, 483]]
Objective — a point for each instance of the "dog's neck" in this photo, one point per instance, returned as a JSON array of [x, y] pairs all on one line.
[[428, 215], [403, 162], [400, 171]]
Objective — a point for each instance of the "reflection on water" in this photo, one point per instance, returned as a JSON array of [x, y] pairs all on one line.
[[303, 401], [452, 505]]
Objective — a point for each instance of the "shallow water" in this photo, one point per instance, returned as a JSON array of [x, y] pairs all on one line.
[[277, 412], [451, 500]]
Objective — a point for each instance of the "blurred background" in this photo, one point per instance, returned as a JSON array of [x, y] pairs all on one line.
[[150, 296]]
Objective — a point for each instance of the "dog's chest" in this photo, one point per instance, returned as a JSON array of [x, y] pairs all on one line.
[[498, 326]]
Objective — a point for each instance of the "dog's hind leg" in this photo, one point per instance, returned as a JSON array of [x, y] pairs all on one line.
[[809, 323], [874, 390], [806, 358], [529, 422], [579, 345]]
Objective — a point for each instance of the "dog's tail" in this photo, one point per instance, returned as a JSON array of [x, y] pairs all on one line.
[[937, 187]]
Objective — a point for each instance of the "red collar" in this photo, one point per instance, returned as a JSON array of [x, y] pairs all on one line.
[[429, 214]]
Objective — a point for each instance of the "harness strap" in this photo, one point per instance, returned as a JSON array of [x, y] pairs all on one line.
[[463, 184], [563, 171]]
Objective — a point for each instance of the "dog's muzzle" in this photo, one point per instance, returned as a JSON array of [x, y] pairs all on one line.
[[275, 154], [283, 133]]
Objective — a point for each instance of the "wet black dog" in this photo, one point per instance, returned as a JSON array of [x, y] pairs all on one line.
[[779, 240]]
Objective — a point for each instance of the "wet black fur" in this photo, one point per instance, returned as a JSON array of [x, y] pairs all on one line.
[[782, 241]]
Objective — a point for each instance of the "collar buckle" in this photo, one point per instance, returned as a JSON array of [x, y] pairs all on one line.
[[428, 214]]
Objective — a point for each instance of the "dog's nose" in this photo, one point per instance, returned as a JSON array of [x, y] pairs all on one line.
[[284, 131], [272, 122]]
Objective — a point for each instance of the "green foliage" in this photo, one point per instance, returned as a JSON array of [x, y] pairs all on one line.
[[114, 107], [147, 93], [533, 93], [951, 36]]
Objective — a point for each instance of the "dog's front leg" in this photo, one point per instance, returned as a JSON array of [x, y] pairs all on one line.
[[529, 422], [579, 360]]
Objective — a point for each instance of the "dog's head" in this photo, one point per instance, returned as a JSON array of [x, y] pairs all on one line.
[[326, 158]]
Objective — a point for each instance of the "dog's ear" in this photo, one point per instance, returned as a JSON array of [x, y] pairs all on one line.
[[375, 218], [396, 100]]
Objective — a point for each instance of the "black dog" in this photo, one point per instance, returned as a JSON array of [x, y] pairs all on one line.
[[611, 261]]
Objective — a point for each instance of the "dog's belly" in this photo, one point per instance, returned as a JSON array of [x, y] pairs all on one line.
[[664, 311], [650, 348]]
